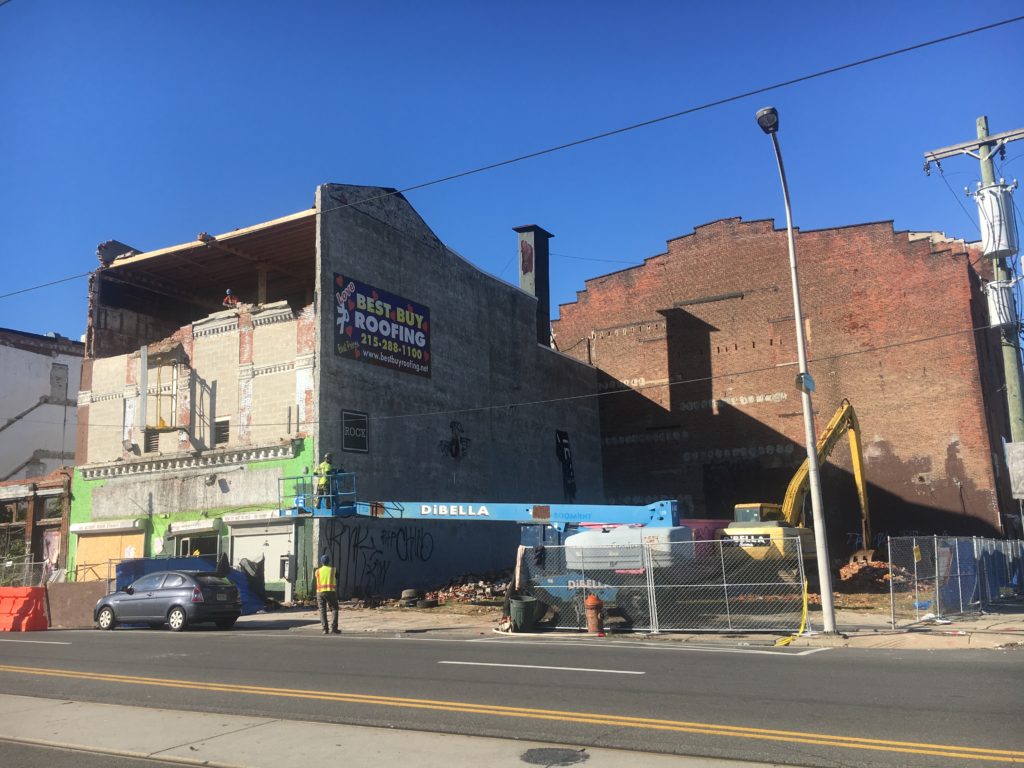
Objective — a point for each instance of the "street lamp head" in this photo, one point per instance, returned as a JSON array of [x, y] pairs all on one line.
[[768, 119]]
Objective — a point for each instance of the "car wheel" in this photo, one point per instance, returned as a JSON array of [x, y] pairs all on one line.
[[106, 619], [177, 619], [225, 623]]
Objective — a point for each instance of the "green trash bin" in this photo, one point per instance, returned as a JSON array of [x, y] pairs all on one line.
[[523, 610]]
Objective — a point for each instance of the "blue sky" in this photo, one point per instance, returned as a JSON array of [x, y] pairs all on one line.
[[149, 122]]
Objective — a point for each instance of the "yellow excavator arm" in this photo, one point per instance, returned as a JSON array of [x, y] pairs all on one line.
[[844, 420]]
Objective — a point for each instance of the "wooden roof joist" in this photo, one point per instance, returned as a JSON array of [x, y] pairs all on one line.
[[282, 250]]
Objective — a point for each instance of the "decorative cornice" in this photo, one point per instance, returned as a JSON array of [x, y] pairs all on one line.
[[263, 370], [186, 461], [272, 316], [86, 397], [215, 327]]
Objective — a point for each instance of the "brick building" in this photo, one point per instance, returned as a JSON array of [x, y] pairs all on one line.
[[356, 331], [39, 379], [34, 521], [696, 352]]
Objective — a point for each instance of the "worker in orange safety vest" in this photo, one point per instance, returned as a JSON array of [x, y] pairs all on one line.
[[327, 595]]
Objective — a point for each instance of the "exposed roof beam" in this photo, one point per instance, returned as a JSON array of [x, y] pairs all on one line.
[[216, 244], [184, 247], [154, 286]]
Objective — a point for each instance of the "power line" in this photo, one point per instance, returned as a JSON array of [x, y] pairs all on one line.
[[588, 258], [43, 285], [974, 222], [688, 111], [652, 121]]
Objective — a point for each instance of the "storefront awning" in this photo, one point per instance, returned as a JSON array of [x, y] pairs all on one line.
[[189, 527], [106, 526], [263, 517]]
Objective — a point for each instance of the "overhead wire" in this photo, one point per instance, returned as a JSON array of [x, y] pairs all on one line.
[[689, 110], [44, 285], [610, 393], [650, 122]]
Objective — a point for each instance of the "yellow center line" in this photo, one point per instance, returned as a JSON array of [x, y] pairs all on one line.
[[587, 718]]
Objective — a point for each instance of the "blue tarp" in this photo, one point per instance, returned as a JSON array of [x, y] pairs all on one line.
[[129, 570]]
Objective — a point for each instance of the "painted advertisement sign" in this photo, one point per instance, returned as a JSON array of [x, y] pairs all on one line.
[[380, 327], [355, 431]]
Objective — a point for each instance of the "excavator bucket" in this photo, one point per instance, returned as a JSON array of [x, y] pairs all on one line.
[[862, 556]]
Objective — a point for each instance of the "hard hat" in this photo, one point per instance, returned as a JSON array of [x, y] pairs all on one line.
[[325, 559]]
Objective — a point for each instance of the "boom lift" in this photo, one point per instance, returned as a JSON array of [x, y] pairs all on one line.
[[761, 528], [562, 517]]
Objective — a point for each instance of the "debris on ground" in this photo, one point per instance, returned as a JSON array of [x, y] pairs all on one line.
[[872, 576], [473, 588]]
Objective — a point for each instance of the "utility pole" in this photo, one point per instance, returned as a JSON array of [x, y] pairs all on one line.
[[983, 149]]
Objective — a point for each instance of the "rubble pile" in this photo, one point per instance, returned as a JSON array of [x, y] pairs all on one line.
[[472, 588], [870, 576]]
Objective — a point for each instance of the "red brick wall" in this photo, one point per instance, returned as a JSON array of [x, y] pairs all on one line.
[[704, 337]]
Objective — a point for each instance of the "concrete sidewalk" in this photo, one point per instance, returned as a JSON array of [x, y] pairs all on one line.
[[857, 629], [196, 738]]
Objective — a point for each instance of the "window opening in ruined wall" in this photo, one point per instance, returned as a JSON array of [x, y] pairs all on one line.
[[13, 516], [52, 508], [222, 431], [162, 394]]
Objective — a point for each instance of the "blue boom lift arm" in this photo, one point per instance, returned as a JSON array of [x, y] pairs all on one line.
[[660, 514]]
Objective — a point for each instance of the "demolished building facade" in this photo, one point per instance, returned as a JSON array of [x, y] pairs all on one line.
[[349, 328]]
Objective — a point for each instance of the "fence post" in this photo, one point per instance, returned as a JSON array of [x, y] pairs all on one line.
[[725, 584], [652, 600], [915, 550], [959, 583], [1020, 566], [935, 564], [892, 592], [980, 573], [803, 587]]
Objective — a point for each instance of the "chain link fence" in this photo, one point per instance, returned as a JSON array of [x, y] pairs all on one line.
[[670, 587], [21, 572], [935, 576]]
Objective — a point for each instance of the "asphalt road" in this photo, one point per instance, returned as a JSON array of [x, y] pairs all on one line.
[[34, 756], [806, 707]]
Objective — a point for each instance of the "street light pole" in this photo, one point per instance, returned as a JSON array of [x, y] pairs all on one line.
[[768, 119]]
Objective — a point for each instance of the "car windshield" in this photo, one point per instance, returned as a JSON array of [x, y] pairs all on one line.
[[213, 581]]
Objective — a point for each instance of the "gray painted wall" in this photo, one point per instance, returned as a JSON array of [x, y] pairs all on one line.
[[382, 557], [484, 353], [170, 493]]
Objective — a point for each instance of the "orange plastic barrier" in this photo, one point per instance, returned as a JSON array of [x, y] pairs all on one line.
[[22, 609]]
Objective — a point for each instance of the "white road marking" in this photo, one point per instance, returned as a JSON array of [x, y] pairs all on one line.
[[36, 642], [635, 645], [533, 666]]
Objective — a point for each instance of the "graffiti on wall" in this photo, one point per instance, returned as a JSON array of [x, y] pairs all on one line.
[[365, 555], [380, 328], [456, 445], [563, 450]]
